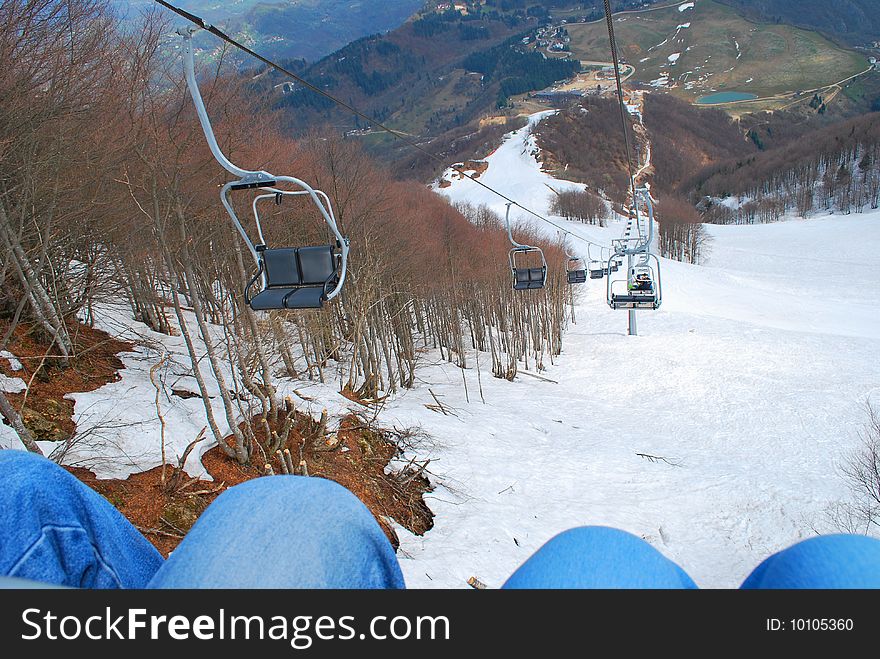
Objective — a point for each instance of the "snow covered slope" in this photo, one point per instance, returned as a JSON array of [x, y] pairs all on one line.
[[747, 386], [746, 389]]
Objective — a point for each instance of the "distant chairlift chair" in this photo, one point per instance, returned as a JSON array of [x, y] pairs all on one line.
[[641, 290], [596, 268], [525, 277], [576, 273]]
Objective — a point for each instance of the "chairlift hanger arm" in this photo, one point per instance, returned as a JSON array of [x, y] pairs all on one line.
[[510, 232], [245, 175]]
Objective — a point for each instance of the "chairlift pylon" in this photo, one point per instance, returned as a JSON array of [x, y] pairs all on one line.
[[524, 278], [287, 277]]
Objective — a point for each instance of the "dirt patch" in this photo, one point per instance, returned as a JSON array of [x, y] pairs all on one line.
[[44, 409], [165, 512], [475, 167], [356, 455]]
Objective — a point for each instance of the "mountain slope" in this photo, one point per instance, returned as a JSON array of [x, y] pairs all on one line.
[[308, 29], [855, 22]]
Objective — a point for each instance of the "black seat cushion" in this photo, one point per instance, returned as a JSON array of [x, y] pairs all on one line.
[[271, 298], [289, 298], [281, 267], [528, 278], [316, 264]]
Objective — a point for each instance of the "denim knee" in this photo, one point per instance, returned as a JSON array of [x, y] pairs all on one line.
[[598, 557], [830, 561]]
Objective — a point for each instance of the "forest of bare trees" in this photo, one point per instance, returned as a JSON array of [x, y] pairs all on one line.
[[681, 234], [109, 198], [836, 169], [584, 143], [580, 206]]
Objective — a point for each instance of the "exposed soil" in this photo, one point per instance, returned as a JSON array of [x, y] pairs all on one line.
[[476, 167], [94, 363], [164, 513], [356, 456]]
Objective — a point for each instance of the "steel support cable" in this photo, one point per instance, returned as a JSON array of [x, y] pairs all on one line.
[[202, 24]]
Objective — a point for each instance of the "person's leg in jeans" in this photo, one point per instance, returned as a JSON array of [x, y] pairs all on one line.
[[598, 557], [55, 530], [283, 532], [828, 561]]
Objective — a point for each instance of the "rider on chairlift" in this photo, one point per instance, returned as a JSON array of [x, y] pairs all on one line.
[[641, 282]]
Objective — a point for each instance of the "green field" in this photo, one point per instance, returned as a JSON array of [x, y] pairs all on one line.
[[720, 51]]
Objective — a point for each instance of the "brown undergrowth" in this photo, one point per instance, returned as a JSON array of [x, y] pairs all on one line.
[[44, 408], [356, 455], [358, 461]]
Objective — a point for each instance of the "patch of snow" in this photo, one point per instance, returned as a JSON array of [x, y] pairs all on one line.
[[662, 81], [9, 439], [514, 164], [674, 57], [685, 6], [684, 26], [12, 385], [120, 419], [662, 43], [14, 364]]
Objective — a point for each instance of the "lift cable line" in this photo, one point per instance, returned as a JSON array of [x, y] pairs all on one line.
[[609, 19], [643, 287], [202, 24]]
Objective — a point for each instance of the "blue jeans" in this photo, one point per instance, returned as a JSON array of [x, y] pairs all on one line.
[[294, 532]]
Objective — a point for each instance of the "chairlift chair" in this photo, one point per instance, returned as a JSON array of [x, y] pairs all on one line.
[[287, 277], [596, 268], [575, 274], [292, 277], [525, 277], [640, 290]]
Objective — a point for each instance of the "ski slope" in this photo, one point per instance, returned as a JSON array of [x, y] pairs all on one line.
[[747, 387], [750, 383]]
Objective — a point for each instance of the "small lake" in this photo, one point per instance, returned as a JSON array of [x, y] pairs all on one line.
[[725, 97]]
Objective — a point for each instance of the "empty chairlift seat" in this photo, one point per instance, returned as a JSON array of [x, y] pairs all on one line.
[[575, 274], [295, 278], [529, 278]]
